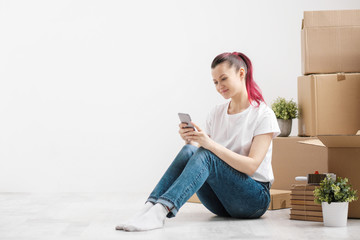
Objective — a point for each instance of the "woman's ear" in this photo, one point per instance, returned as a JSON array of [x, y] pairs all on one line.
[[242, 72]]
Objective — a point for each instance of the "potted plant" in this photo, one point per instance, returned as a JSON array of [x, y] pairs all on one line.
[[334, 196], [284, 111]]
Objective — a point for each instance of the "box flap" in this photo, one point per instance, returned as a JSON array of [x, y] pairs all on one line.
[[315, 142], [333, 18], [340, 140]]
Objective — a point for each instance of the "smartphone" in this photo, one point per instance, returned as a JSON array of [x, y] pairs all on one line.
[[185, 118]]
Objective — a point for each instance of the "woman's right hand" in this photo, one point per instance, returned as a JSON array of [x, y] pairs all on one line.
[[183, 131]]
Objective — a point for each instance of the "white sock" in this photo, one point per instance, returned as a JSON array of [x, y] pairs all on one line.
[[144, 209], [152, 219]]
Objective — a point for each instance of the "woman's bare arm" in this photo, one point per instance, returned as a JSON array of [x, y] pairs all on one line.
[[245, 164]]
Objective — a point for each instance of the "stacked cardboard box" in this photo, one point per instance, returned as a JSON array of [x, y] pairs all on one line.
[[303, 206], [329, 103], [343, 159], [329, 98], [330, 42], [291, 159]]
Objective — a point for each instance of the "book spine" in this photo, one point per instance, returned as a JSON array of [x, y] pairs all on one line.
[[306, 213], [306, 218]]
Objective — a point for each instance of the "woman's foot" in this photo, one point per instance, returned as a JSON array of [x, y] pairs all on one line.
[[152, 219], [145, 208]]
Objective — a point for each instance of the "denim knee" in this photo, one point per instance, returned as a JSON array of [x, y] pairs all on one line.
[[202, 150], [209, 156], [188, 150], [185, 154]]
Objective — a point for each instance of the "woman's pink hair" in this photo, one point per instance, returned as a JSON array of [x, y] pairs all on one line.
[[239, 60]]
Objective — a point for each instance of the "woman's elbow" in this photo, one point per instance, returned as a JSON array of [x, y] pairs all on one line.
[[251, 172], [253, 167]]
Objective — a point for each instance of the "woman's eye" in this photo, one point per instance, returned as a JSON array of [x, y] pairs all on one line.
[[224, 79], [215, 83]]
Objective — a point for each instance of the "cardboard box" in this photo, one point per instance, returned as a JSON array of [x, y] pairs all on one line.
[[194, 199], [330, 41], [291, 159], [343, 160], [279, 199], [329, 104]]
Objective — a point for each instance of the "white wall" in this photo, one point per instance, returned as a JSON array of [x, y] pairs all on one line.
[[90, 90]]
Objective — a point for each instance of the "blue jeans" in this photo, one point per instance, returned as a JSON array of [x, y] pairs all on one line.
[[222, 190]]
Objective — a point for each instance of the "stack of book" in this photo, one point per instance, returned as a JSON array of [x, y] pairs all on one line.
[[302, 203]]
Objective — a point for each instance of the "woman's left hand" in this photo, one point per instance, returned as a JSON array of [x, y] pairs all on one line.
[[200, 137]]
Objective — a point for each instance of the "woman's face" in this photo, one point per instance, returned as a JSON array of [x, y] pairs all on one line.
[[228, 81]]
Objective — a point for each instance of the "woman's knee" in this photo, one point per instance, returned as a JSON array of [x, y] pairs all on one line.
[[188, 149], [205, 155], [203, 151], [186, 153]]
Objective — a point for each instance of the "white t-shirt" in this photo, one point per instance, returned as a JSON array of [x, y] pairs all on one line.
[[236, 132]]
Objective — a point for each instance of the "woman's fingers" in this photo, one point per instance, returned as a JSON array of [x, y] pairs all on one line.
[[189, 134], [196, 126], [193, 135], [185, 130]]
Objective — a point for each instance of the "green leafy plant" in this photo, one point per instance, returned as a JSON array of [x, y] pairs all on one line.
[[332, 190], [285, 109]]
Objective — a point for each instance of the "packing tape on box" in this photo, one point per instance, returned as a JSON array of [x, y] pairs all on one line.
[[304, 195], [307, 188], [341, 76]]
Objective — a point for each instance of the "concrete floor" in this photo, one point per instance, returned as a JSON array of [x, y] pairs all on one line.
[[54, 216]]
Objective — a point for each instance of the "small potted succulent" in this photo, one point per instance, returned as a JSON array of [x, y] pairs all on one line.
[[334, 196], [284, 111]]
